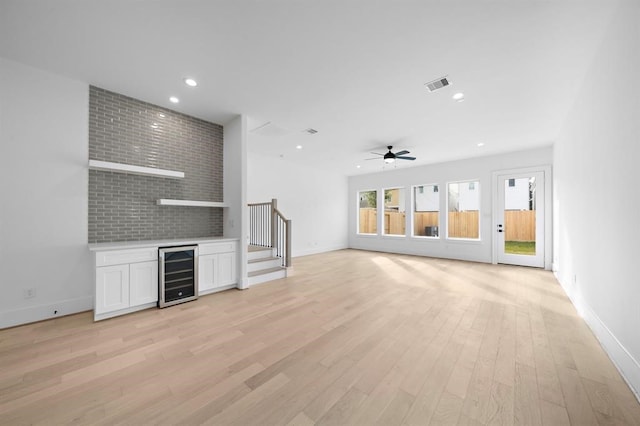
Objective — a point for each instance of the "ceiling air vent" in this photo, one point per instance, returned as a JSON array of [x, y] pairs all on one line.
[[270, 129], [311, 131], [434, 85]]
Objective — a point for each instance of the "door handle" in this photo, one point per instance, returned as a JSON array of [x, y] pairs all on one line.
[[499, 228]]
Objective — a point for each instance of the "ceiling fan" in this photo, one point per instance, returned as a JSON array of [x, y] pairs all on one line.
[[390, 157]]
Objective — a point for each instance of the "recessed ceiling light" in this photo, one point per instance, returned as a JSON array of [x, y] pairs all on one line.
[[298, 146], [190, 82], [458, 97], [358, 166], [174, 99], [480, 143]]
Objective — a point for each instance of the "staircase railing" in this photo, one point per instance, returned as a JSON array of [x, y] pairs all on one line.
[[269, 228]]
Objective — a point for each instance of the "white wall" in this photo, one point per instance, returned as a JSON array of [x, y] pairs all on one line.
[[479, 169], [596, 196], [43, 195], [235, 190], [314, 200]]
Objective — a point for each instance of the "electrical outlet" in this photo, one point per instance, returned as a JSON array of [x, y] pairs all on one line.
[[29, 293]]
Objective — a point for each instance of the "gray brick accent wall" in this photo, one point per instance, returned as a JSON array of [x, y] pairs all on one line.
[[122, 207]]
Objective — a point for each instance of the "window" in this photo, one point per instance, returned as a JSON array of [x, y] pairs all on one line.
[[426, 211], [463, 216], [394, 211], [520, 216], [367, 212]]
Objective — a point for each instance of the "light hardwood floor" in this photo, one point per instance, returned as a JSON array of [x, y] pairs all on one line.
[[352, 337]]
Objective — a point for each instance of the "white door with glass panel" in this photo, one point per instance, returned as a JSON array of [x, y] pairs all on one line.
[[520, 219]]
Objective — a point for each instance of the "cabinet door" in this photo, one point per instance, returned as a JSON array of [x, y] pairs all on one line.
[[207, 270], [143, 283], [226, 269], [112, 288]]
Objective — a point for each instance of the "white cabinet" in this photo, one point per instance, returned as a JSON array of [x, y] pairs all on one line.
[[143, 286], [207, 270], [126, 281], [112, 288], [126, 276], [227, 269], [217, 266]]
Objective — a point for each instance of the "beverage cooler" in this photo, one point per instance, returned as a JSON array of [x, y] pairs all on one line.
[[178, 277]]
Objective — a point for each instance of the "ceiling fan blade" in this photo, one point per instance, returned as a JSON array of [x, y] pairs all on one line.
[[376, 153], [374, 158], [405, 158], [403, 152]]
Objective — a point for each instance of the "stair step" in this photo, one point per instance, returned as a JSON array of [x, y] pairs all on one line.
[[258, 252], [263, 259], [264, 275], [265, 271], [263, 263]]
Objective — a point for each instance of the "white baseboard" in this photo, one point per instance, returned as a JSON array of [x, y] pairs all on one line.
[[100, 317], [317, 250], [43, 312], [217, 289], [626, 364]]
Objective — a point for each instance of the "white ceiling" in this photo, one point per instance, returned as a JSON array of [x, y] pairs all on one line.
[[353, 70]]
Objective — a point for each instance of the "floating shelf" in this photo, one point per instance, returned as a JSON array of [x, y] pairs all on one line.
[[136, 170], [190, 203]]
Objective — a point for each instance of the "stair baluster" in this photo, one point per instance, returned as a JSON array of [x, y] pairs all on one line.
[[269, 228]]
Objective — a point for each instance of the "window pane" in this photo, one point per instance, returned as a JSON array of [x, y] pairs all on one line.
[[463, 200], [520, 216], [367, 216], [394, 211], [426, 211]]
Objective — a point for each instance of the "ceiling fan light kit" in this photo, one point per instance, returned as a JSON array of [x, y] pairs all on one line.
[[391, 157]]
